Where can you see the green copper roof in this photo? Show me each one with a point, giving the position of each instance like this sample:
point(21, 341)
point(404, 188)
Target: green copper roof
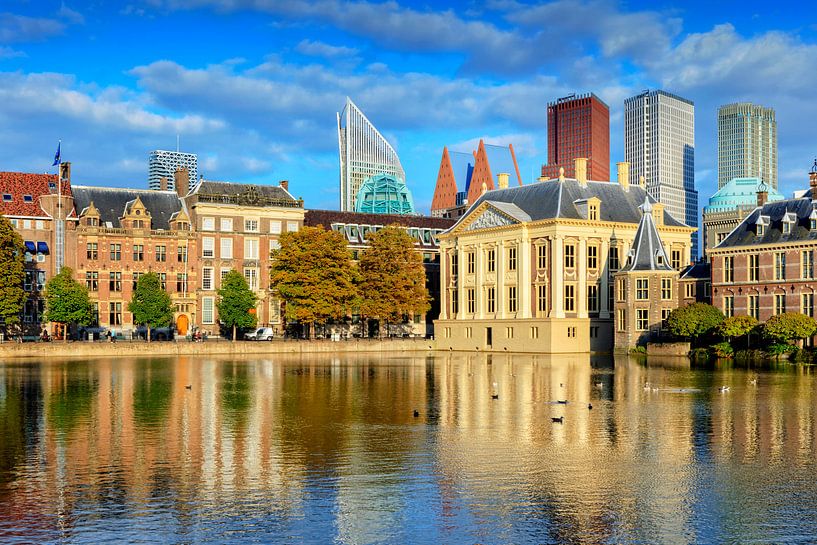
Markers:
point(739, 192)
point(384, 194)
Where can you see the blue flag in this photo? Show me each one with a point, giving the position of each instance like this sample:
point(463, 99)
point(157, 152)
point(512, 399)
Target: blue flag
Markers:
point(57, 159)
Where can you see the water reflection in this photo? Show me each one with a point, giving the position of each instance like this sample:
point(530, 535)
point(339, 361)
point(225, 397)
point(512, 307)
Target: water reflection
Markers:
point(328, 449)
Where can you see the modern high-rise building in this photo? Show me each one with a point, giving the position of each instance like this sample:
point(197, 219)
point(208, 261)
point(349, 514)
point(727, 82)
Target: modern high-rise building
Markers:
point(578, 127)
point(747, 143)
point(163, 164)
point(659, 144)
point(364, 153)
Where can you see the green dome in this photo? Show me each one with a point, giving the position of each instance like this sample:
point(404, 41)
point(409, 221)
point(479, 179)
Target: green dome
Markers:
point(384, 194)
point(739, 193)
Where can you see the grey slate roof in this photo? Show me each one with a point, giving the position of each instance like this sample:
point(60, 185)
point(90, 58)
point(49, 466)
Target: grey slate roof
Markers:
point(700, 270)
point(745, 233)
point(647, 252)
point(555, 199)
point(111, 203)
point(211, 187)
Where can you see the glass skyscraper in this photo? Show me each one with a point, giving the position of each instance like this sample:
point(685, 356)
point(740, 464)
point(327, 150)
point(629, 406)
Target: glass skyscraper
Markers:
point(747, 143)
point(163, 164)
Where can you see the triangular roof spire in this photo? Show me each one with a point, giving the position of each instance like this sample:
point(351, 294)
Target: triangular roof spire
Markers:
point(647, 252)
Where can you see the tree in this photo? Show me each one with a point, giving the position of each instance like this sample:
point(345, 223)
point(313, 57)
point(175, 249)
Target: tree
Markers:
point(736, 326)
point(12, 274)
point(789, 326)
point(312, 273)
point(236, 301)
point(66, 301)
point(393, 279)
point(150, 304)
point(694, 320)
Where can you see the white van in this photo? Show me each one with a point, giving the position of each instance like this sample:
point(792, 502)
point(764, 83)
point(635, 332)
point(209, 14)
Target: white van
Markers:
point(260, 334)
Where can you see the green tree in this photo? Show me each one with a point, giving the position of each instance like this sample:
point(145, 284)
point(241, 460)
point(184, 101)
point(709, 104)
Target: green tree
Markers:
point(736, 326)
point(789, 326)
point(236, 301)
point(393, 279)
point(694, 320)
point(12, 275)
point(66, 301)
point(312, 273)
point(150, 304)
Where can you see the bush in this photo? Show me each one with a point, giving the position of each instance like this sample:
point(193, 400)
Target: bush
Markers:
point(789, 326)
point(778, 349)
point(723, 350)
point(638, 350)
point(694, 320)
point(699, 354)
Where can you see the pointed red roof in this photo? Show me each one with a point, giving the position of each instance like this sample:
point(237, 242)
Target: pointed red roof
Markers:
point(482, 174)
point(445, 192)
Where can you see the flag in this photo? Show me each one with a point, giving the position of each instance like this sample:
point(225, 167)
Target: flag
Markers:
point(57, 159)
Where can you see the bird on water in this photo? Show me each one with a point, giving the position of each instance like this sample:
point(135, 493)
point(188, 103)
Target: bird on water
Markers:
point(559, 420)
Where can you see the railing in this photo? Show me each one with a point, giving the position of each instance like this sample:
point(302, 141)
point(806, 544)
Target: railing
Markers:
point(245, 200)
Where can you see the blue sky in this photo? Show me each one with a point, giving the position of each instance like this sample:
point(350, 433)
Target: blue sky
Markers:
point(252, 86)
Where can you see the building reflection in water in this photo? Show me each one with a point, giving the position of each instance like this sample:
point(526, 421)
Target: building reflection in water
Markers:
point(181, 450)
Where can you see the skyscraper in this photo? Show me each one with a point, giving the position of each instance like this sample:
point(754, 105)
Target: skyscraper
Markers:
point(163, 164)
point(578, 127)
point(363, 153)
point(747, 143)
point(659, 144)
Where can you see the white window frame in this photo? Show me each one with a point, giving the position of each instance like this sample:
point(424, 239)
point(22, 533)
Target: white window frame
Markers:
point(208, 310)
point(208, 247)
point(292, 227)
point(207, 279)
point(275, 227)
point(251, 248)
point(226, 248)
point(251, 276)
point(226, 225)
point(251, 225)
point(208, 224)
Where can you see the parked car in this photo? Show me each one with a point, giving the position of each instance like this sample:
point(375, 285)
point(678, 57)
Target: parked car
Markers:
point(156, 333)
point(260, 334)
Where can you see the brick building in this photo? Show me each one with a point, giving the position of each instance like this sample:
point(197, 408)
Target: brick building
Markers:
point(578, 127)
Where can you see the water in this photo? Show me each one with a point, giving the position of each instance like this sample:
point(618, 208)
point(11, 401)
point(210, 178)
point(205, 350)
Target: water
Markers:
point(327, 450)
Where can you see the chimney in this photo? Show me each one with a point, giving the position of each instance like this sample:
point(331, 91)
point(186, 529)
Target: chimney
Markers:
point(502, 180)
point(763, 195)
point(284, 184)
point(181, 179)
point(581, 170)
point(812, 180)
point(65, 172)
point(623, 172)
point(642, 181)
point(162, 184)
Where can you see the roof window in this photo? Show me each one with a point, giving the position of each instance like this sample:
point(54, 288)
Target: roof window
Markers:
point(7, 197)
point(28, 198)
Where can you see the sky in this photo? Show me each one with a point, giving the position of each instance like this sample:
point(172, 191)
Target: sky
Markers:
point(253, 86)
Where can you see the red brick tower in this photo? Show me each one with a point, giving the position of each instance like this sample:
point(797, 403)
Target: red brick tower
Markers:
point(578, 126)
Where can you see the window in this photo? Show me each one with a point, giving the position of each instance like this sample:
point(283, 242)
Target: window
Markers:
point(570, 298)
point(571, 332)
point(454, 263)
point(292, 226)
point(116, 252)
point(512, 259)
point(455, 301)
point(807, 264)
point(227, 225)
point(621, 319)
point(675, 259)
point(207, 278)
point(642, 319)
point(469, 297)
point(115, 281)
point(534, 332)
point(251, 225)
point(226, 250)
point(512, 299)
point(275, 227)
point(780, 266)
point(163, 280)
point(541, 257)
point(91, 250)
point(208, 247)
point(642, 289)
point(754, 267)
point(207, 306)
point(807, 304)
point(593, 212)
point(621, 288)
point(690, 290)
point(509, 332)
point(761, 229)
point(592, 257)
point(92, 280)
point(612, 259)
point(161, 254)
point(753, 304)
point(223, 273)
point(541, 298)
point(470, 263)
point(28, 198)
point(208, 224)
point(251, 248)
point(115, 314)
point(136, 276)
point(729, 269)
point(138, 252)
point(786, 227)
point(447, 332)
point(592, 298)
point(779, 303)
point(181, 282)
point(7, 197)
point(490, 298)
point(490, 259)
point(666, 289)
point(729, 306)
point(570, 256)
point(594, 332)
point(468, 332)
point(665, 312)
point(251, 276)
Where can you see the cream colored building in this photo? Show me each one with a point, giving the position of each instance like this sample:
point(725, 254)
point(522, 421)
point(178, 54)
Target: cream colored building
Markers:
point(531, 268)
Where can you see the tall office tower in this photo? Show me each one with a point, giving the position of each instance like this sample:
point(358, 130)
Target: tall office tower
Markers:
point(659, 144)
point(578, 126)
point(163, 164)
point(747, 143)
point(363, 153)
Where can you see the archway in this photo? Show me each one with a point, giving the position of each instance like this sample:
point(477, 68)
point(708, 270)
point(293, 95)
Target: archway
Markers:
point(182, 323)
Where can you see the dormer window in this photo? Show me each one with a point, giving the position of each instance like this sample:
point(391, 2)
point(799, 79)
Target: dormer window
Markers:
point(813, 220)
point(761, 224)
point(789, 219)
point(7, 197)
point(28, 198)
point(786, 228)
point(593, 212)
point(659, 258)
point(761, 229)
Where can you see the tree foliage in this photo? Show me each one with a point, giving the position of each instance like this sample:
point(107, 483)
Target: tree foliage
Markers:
point(312, 273)
point(66, 300)
point(393, 281)
point(694, 320)
point(150, 304)
point(736, 326)
point(12, 274)
point(789, 326)
point(235, 301)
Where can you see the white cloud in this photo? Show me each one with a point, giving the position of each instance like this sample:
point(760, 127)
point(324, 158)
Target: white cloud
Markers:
point(320, 49)
point(19, 28)
point(70, 15)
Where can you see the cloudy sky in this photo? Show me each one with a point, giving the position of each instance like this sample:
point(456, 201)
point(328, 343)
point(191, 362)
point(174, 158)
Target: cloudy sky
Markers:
point(252, 86)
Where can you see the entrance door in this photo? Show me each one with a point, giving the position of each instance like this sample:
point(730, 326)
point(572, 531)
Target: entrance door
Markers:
point(489, 336)
point(182, 323)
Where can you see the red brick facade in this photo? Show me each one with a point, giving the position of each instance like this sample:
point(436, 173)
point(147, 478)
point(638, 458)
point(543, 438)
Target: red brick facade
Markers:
point(579, 127)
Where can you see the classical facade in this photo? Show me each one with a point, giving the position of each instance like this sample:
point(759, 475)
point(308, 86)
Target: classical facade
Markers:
point(530, 268)
point(766, 264)
point(578, 126)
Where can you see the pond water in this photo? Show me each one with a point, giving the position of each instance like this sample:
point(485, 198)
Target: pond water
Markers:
point(328, 450)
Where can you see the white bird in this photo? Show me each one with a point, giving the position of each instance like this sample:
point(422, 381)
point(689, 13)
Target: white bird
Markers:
point(753, 381)
point(723, 389)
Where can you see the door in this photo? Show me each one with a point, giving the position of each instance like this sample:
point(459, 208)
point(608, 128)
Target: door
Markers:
point(182, 324)
point(489, 336)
